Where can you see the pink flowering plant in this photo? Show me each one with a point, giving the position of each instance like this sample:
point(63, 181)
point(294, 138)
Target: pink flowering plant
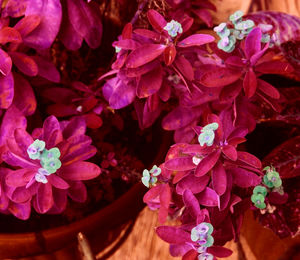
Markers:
point(74, 79)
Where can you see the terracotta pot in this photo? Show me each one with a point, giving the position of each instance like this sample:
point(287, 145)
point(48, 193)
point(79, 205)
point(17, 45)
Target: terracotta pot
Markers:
point(264, 244)
point(105, 229)
point(101, 228)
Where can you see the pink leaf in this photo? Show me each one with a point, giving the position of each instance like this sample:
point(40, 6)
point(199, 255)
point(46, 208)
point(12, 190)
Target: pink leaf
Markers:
point(178, 118)
point(219, 77)
point(164, 198)
point(24, 98)
point(208, 198)
point(252, 42)
point(150, 82)
point(173, 235)
point(6, 90)
point(196, 40)
point(44, 198)
point(170, 54)
point(44, 34)
point(230, 152)
point(219, 251)
point(180, 164)
point(185, 67)
point(15, 8)
point(24, 63)
point(144, 54)
point(207, 163)
point(219, 179)
point(249, 159)
point(8, 34)
point(157, 21)
point(192, 183)
point(86, 21)
point(78, 171)
point(274, 67)
point(77, 191)
point(46, 69)
point(268, 89)
point(27, 24)
point(191, 203)
point(5, 63)
point(58, 182)
point(244, 178)
point(250, 83)
point(285, 158)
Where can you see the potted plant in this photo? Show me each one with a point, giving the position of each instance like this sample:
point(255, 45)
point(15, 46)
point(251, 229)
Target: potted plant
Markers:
point(67, 97)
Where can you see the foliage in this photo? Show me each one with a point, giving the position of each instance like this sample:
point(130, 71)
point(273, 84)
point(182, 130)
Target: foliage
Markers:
point(66, 76)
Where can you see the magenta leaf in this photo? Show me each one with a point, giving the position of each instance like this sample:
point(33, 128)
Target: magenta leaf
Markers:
point(268, 89)
point(157, 21)
point(43, 35)
point(170, 54)
point(153, 193)
point(126, 44)
point(150, 82)
point(219, 251)
point(250, 83)
point(180, 164)
point(58, 182)
point(192, 183)
point(68, 35)
point(191, 203)
point(185, 67)
point(252, 42)
point(8, 34)
point(196, 40)
point(85, 20)
point(15, 8)
point(80, 171)
point(219, 77)
point(144, 54)
point(230, 152)
point(173, 235)
point(27, 24)
point(12, 119)
point(208, 198)
point(24, 63)
point(244, 178)
point(44, 198)
point(6, 90)
point(204, 15)
point(46, 69)
point(5, 63)
point(274, 67)
point(285, 158)
point(207, 163)
point(164, 198)
point(249, 159)
point(219, 179)
point(118, 93)
point(77, 191)
point(178, 118)
point(24, 98)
